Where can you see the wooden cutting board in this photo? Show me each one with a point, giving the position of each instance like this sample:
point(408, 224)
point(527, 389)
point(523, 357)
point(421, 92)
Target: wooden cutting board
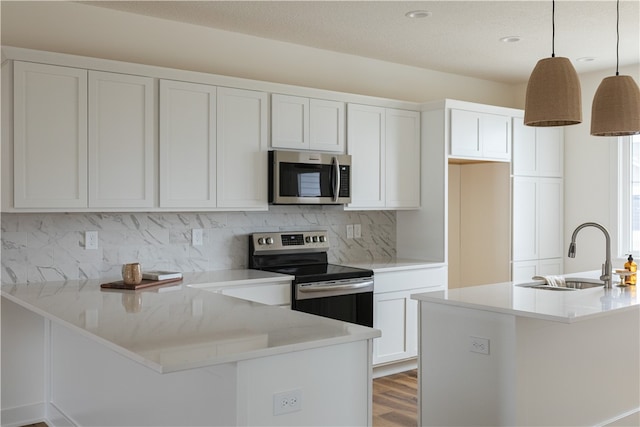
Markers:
point(144, 284)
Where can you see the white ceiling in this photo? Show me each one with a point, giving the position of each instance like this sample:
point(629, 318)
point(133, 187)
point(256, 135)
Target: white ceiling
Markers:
point(459, 37)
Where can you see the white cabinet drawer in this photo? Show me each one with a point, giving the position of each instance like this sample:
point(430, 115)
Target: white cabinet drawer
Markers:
point(410, 279)
point(270, 294)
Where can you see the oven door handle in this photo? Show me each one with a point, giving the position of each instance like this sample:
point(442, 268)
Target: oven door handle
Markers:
point(337, 287)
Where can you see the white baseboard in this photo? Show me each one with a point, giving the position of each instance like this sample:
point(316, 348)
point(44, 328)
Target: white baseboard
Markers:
point(628, 419)
point(55, 417)
point(394, 368)
point(23, 415)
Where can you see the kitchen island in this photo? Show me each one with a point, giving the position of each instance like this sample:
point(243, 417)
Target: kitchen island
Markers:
point(179, 355)
point(508, 355)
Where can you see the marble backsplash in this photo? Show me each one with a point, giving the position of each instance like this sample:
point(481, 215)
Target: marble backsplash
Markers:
point(50, 247)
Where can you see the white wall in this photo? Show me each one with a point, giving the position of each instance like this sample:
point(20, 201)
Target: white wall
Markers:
point(590, 164)
point(93, 31)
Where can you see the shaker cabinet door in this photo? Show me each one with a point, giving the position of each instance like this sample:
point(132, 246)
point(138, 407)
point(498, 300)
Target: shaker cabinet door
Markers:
point(289, 122)
point(402, 150)
point(242, 149)
point(525, 218)
point(496, 137)
point(50, 136)
point(326, 125)
point(187, 145)
point(465, 134)
point(122, 141)
point(366, 144)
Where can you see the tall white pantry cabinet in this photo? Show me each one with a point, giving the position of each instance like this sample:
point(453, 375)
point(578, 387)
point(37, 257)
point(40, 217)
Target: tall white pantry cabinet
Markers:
point(538, 201)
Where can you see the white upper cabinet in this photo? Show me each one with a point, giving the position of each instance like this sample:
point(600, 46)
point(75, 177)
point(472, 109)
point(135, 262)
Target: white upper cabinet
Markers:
point(366, 133)
point(242, 149)
point(326, 125)
point(122, 145)
point(402, 159)
point(385, 147)
point(537, 151)
point(213, 147)
point(480, 135)
point(187, 145)
point(50, 136)
point(307, 124)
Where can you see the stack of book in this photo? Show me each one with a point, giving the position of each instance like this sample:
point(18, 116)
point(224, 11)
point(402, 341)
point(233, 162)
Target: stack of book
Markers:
point(161, 275)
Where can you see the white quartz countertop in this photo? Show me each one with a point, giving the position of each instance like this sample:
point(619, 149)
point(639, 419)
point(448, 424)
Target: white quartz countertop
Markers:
point(560, 306)
point(396, 264)
point(181, 327)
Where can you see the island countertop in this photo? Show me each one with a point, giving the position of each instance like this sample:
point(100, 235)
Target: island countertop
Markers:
point(181, 327)
point(559, 306)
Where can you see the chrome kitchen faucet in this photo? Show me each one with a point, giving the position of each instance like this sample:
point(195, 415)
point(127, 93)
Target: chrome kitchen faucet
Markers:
point(606, 267)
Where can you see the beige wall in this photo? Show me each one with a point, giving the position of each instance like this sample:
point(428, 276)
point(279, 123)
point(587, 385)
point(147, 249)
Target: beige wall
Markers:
point(479, 224)
point(93, 31)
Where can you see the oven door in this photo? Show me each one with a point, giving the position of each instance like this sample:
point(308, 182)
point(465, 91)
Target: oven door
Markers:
point(349, 300)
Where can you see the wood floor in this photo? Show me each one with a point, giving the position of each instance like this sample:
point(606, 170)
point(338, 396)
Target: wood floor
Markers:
point(395, 399)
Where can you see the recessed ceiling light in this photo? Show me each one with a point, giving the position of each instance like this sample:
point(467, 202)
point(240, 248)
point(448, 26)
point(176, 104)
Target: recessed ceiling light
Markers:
point(586, 59)
point(510, 39)
point(418, 14)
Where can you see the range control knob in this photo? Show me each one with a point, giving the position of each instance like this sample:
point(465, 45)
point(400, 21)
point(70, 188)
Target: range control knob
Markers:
point(261, 241)
point(315, 239)
point(307, 239)
point(323, 238)
point(269, 240)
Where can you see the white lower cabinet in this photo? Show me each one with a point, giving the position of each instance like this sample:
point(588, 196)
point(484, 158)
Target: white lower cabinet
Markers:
point(396, 314)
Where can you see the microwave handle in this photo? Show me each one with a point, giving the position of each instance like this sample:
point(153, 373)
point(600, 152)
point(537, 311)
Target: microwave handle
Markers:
point(336, 178)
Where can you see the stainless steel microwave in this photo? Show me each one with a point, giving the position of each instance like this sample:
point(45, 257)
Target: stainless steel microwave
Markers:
point(307, 178)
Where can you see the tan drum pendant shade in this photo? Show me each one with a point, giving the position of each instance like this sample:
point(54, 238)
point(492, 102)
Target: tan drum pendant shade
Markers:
point(616, 107)
point(553, 94)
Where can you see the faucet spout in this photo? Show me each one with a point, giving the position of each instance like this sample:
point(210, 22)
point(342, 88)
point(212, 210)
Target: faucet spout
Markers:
point(606, 267)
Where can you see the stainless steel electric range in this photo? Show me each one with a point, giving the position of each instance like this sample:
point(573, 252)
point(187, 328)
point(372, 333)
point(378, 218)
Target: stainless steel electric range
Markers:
point(329, 290)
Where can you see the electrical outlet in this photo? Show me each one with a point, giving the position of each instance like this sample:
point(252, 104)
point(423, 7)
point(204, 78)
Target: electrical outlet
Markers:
point(357, 231)
point(90, 240)
point(350, 231)
point(479, 345)
point(287, 401)
point(197, 236)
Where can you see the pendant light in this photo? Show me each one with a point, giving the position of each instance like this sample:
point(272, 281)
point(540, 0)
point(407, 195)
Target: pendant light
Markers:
point(616, 105)
point(553, 92)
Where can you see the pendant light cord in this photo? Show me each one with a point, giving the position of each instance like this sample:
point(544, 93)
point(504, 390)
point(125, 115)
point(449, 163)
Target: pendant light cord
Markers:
point(617, 36)
point(553, 28)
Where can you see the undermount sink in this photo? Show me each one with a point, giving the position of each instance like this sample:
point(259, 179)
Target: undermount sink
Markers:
point(568, 285)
